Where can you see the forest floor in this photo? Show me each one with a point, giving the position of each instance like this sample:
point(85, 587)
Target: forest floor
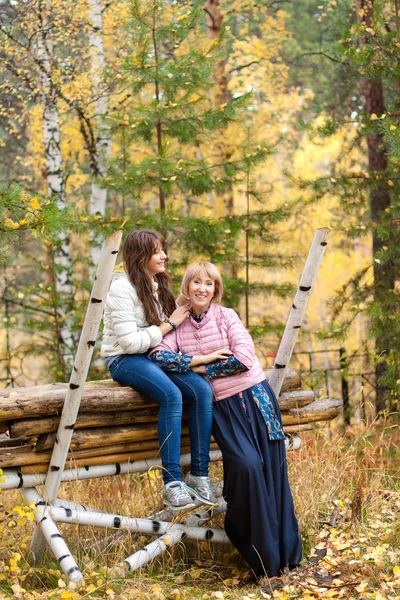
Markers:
point(346, 490)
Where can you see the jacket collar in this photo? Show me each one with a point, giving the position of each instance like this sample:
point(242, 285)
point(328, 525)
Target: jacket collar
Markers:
point(207, 318)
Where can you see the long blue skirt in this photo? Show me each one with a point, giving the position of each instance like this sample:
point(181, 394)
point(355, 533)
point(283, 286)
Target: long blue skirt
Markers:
point(260, 519)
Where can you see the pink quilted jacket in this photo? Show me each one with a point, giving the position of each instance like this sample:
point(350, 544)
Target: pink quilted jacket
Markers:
point(220, 328)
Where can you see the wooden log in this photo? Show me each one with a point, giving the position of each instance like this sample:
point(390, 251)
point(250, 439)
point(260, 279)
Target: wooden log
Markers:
point(19, 391)
point(103, 460)
point(323, 410)
point(297, 428)
point(32, 457)
point(296, 399)
point(123, 448)
point(98, 396)
point(84, 421)
point(319, 407)
point(94, 400)
point(6, 453)
point(7, 442)
point(287, 400)
point(94, 438)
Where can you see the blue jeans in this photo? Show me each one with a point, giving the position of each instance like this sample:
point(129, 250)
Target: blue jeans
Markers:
point(169, 391)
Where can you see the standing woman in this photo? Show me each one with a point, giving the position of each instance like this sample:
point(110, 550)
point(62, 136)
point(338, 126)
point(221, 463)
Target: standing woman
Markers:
point(139, 310)
point(260, 519)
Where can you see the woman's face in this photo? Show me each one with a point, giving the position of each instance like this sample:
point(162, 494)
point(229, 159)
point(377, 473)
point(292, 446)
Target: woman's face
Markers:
point(156, 263)
point(201, 292)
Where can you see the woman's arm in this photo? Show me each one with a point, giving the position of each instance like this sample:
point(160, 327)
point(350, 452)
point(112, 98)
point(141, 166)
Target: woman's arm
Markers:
point(224, 368)
point(221, 368)
point(240, 341)
point(241, 345)
point(121, 304)
point(121, 309)
point(169, 360)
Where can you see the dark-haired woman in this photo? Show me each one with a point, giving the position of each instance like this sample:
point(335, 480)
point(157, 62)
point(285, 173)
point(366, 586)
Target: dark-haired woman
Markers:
point(139, 310)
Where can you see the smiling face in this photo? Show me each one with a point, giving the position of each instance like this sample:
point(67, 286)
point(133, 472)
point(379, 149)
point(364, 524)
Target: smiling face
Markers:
point(201, 292)
point(156, 263)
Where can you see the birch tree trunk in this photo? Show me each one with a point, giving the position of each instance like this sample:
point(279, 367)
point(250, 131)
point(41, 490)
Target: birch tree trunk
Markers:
point(100, 158)
point(55, 181)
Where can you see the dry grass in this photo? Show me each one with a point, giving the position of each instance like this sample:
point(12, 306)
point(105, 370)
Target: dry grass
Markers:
point(362, 467)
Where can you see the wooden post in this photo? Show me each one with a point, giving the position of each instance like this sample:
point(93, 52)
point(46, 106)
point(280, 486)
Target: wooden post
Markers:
point(344, 379)
point(299, 308)
point(78, 376)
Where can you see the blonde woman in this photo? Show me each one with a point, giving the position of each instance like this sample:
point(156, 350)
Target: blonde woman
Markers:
point(260, 519)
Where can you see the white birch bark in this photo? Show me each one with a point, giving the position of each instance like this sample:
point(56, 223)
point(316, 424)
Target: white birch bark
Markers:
point(98, 195)
point(15, 479)
point(299, 307)
point(55, 181)
point(52, 535)
point(78, 376)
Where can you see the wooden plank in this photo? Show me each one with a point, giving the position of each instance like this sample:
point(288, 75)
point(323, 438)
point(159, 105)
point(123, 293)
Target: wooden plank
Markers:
point(98, 396)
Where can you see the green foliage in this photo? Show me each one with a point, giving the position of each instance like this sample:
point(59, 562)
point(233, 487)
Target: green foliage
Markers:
point(168, 129)
point(361, 54)
point(24, 215)
point(171, 77)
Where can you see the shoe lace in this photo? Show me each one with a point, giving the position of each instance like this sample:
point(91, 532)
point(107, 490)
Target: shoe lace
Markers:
point(177, 492)
point(202, 482)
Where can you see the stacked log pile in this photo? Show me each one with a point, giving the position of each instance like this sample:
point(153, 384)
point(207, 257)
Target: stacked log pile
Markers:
point(115, 424)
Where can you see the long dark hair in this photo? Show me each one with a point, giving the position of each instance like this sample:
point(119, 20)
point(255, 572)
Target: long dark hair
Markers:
point(139, 247)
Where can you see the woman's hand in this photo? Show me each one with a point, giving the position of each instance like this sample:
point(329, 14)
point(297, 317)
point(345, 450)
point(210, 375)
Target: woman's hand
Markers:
point(199, 360)
point(217, 355)
point(200, 369)
point(179, 315)
point(183, 300)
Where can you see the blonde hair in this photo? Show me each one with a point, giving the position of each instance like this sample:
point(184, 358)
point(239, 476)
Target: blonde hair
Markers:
point(195, 270)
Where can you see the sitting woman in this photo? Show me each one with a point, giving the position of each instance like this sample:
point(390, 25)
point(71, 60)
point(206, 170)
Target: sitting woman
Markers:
point(139, 310)
point(260, 519)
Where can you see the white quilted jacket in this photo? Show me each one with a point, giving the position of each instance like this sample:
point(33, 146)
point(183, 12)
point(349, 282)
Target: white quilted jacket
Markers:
point(126, 330)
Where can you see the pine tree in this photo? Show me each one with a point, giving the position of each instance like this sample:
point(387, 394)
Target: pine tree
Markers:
point(169, 75)
point(361, 41)
point(170, 128)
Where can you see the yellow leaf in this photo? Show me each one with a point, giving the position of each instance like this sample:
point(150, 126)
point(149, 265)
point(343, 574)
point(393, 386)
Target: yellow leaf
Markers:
point(90, 588)
point(11, 224)
point(390, 182)
point(373, 117)
point(393, 127)
point(34, 204)
point(396, 571)
point(195, 574)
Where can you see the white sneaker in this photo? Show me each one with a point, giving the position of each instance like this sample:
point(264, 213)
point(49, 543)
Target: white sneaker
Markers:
point(201, 487)
point(176, 496)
